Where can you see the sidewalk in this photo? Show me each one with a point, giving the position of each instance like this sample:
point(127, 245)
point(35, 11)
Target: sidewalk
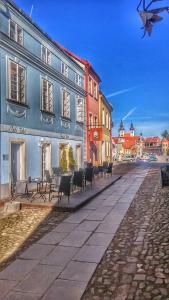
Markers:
point(60, 265)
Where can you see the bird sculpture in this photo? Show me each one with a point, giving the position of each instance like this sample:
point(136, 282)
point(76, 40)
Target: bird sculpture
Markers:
point(150, 16)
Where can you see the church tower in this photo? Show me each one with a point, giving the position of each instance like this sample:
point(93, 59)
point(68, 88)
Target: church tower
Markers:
point(121, 129)
point(132, 129)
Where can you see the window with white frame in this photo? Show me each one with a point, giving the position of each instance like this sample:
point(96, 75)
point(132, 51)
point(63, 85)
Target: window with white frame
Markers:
point(95, 89)
point(103, 117)
point(78, 79)
point(90, 85)
point(107, 121)
point(15, 32)
point(65, 104)
point(47, 96)
point(46, 55)
point(17, 82)
point(80, 109)
point(64, 69)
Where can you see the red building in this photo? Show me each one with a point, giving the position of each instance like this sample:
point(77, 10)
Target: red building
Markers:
point(92, 81)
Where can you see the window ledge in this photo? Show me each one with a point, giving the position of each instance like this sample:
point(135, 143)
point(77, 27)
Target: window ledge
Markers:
point(66, 119)
point(80, 122)
point(48, 112)
point(18, 103)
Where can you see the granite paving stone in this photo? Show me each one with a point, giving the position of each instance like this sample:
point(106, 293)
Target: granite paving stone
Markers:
point(78, 271)
point(90, 253)
point(37, 251)
point(22, 296)
point(39, 279)
point(76, 238)
point(107, 227)
point(96, 216)
point(100, 239)
point(87, 226)
point(53, 238)
point(18, 269)
point(60, 256)
point(78, 217)
point(5, 287)
point(65, 290)
point(65, 227)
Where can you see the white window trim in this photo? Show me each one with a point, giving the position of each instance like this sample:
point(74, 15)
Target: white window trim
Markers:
point(95, 89)
point(82, 119)
point(95, 116)
point(78, 79)
point(16, 26)
point(91, 87)
point(65, 66)
point(46, 56)
point(103, 116)
point(9, 81)
point(90, 124)
point(42, 100)
point(62, 114)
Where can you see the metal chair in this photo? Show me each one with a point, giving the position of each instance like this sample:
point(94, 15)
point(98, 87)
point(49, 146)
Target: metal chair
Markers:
point(110, 169)
point(164, 177)
point(21, 189)
point(63, 188)
point(89, 175)
point(78, 179)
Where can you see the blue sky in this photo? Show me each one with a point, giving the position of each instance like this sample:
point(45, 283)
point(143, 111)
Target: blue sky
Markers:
point(134, 71)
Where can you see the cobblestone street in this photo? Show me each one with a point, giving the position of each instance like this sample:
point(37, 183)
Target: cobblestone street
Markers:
point(136, 264)
point(19, 230)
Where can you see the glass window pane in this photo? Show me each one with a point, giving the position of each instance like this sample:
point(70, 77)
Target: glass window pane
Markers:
point(19, 35)
point(21, 84)
point(12, 30)
point(13, 81)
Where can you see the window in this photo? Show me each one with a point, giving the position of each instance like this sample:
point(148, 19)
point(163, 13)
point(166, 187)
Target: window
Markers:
point(65, 104)
point(107, 121)
point(64, 69)
point(80, 109)
point(103, 117)
point(95, 121)
point(15, 32)
point(95, 90)
point(46, 55)
point(90, 120)
point(90, 86)
point(47, 95)
point(16, 82)
point(78, 79)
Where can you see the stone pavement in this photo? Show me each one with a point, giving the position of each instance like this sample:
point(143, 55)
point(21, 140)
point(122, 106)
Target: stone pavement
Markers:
point(60, 265)
point(136, 264)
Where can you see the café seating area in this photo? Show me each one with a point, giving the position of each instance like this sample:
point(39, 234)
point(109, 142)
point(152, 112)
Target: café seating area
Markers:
point(59, 183)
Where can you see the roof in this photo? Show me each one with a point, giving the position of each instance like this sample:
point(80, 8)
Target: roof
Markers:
point(27, 17)
point(154, 139)
point(121, 126)
point(81, 60)
point(164, 140)
point(128, 144)
point(107, 103)
point(132, 126)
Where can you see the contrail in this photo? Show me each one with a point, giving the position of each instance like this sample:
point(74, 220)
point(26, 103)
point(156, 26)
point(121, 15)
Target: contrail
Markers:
point(122, 92)
point(129, 113)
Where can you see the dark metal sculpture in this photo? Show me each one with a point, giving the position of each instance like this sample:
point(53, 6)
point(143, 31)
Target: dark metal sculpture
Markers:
point(150, 16)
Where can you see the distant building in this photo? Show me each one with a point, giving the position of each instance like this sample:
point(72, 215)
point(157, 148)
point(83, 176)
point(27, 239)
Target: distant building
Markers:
point(127, 144)
point(156, 145)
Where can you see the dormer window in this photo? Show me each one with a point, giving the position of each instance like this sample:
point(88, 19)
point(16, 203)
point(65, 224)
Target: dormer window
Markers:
point(46, 55)
point(78, 79)
point(64, 69)
point(15, 32)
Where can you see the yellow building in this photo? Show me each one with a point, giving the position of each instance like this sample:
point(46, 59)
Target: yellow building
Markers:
point(105, 122)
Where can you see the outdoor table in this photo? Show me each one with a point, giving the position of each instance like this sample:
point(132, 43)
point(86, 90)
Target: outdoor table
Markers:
point(41, 188)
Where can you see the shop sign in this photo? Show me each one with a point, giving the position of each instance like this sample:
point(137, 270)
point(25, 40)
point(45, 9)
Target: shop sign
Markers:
point(95, 134)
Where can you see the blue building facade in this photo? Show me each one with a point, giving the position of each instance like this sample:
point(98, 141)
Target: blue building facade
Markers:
point(41, 100)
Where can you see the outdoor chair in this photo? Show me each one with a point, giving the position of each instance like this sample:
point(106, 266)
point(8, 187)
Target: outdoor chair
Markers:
point(57, 171)
point(89, 175)
point(78, 179)
point(48, 176)
point(96, 171)
point(64, 187)
point(105, 166)
point(21, 189)
point(101, 170)
point(165, 176)
point(109, 169)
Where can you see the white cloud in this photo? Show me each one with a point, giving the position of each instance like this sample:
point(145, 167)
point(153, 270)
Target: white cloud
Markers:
point(122, 92)
point(129, 113)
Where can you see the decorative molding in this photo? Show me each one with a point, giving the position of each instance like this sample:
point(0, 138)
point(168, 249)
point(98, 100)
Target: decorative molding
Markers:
point(15, 112)
point(39, 133)
point(46, 118)
point(65, 123)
